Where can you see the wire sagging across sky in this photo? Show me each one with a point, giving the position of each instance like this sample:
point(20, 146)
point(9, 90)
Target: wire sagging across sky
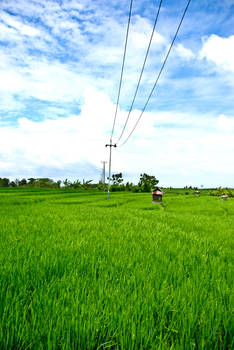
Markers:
point(122, 69)
point(142, 70)
point(159, 74)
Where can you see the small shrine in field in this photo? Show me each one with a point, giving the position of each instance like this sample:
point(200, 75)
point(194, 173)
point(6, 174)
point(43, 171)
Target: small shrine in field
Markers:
point(157, 195)
point(224, 196)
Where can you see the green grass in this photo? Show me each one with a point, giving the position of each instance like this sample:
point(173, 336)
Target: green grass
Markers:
point(80, 272)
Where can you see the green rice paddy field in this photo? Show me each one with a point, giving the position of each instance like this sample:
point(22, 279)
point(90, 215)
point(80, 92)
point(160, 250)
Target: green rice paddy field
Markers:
point(80, 272)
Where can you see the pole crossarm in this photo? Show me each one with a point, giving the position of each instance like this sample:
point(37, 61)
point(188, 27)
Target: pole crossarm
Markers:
point(111, 145)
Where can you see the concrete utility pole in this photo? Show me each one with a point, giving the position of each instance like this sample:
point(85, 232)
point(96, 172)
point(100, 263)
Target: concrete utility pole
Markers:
point(104, 174)
point(110, 145)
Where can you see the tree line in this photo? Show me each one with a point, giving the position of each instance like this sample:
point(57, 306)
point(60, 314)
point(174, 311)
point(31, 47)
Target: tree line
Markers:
point(145, 184)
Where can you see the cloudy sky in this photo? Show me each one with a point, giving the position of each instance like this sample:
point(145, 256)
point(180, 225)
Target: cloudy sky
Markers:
point(60, 64)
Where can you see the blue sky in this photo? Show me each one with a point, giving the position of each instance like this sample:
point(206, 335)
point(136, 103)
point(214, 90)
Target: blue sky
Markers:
point(59, 72)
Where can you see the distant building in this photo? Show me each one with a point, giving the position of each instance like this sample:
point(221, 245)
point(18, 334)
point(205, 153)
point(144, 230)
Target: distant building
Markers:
point(224, 196)
point(157, 195)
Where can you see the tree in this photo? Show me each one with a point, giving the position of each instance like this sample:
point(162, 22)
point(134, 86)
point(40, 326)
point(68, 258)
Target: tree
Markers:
point(128, 186)
point(67, 183)
point(4, 182)
point(117, 179)
point(147, 182)
point(31, 181)
point(23, 182)
point(86, 184)
point(44, 182)
point(76, 184)
point(58, 183)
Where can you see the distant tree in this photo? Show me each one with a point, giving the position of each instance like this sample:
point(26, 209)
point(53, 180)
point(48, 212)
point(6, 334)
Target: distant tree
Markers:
point(58, 183)
point(4, 182)
point(128, 186)
point(147, 182)
point(136, 189)
point(86, 184)
point(100, 186)
point(117, 188)
point(31, 181)
point(12, 184)
point(67, 183)
point(77, 184)
point(44, 182)
point(117, 179)
point(23, 182)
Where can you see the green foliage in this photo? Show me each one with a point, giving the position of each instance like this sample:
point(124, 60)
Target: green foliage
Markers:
point(76, 184)
point(86, 184)
point(67, 183)
point(220, 191)
point(147, 182)
point(23, 182)
point(136, 189)
point(59, 183)
point(117, 188)
point(31, 181)
point(4, 182)
point(44, 183)
point(128, 186)
point(80, 272)
point(117, 179)
point(100, 186)
point(117, 185)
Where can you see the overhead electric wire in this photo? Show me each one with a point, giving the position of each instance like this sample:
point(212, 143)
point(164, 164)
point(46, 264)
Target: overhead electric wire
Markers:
point(159, 74)
point(122, 69)
point(142, 70)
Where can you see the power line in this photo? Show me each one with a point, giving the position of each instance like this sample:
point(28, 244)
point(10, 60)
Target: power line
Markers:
point(122, 69)
point(159, 74)
point(117, 103)
point(142, 70)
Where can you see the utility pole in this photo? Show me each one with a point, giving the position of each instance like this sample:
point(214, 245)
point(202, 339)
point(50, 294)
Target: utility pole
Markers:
point(110, 145)
point(104, 174)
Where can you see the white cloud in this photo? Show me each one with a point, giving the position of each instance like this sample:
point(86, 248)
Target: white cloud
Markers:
point(53, 51)
point(62, 141)
point(140, 34)
point(6, 32)
point(43, 76)
point(9, 104)
point(225, 123)
point(22, 28)
point(164, 143)
point(219, 50)
point(183, 52)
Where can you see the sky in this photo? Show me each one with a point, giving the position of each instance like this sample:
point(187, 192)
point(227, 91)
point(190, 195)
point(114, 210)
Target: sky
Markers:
point(60, 63)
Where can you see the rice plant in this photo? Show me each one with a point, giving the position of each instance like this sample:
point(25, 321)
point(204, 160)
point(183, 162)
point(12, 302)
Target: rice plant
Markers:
point(81, 272)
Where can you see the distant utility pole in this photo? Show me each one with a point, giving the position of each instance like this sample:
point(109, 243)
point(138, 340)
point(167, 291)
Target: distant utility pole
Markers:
point(110, 145)
point(104, 174)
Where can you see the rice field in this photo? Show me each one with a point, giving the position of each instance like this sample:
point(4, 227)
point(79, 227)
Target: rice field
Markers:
point(80, 272)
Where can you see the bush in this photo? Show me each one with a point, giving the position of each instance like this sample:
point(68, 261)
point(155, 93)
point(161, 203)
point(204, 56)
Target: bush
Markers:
point(117, 188)
point(220, 191)
point(136, 189)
